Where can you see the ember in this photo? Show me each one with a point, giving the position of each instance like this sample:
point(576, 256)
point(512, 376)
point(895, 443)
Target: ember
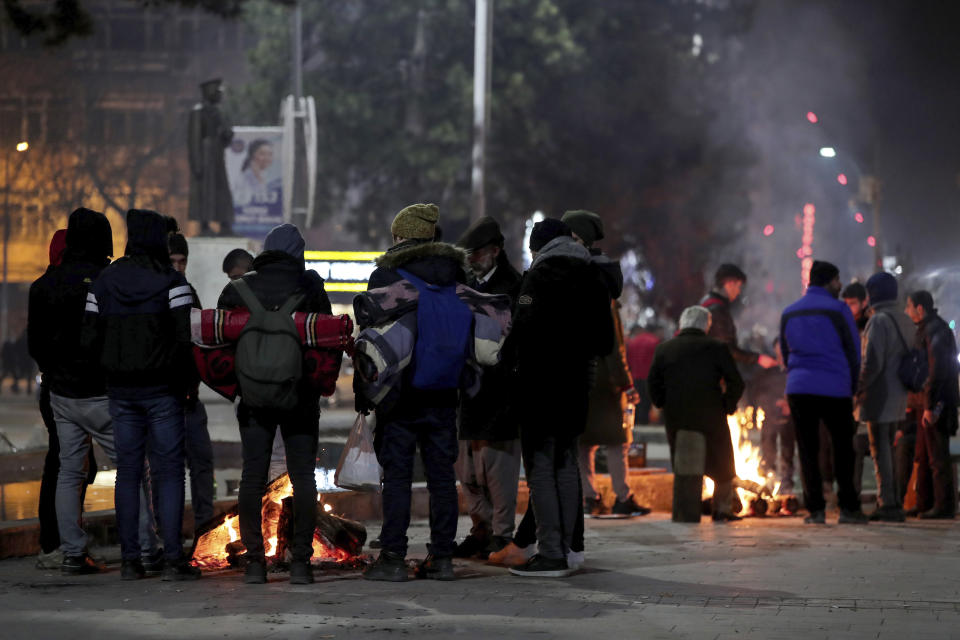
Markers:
point(336, 540)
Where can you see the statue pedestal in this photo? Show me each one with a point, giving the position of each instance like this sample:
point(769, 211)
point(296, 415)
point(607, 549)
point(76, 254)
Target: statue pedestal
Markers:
point(205, 262)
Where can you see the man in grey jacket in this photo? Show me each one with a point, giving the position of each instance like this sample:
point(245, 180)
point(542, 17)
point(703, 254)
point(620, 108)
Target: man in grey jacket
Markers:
point(882, 399)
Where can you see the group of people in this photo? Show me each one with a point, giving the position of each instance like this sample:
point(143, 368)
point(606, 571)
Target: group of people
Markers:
point(868, 375)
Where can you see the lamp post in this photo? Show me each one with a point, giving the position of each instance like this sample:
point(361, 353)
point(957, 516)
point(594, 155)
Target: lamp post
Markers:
point(4, 296)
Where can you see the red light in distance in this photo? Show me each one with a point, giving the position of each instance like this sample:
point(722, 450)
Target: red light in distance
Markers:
point(871, 241)
point(812, 117)
point(842, 179)
point(809, 209)
point(858, 217)
point(768, 230)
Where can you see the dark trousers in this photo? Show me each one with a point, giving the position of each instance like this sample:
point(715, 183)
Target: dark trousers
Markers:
point(300, 429)
point(837, 416)
point(199, 452)
point(861, 450)
point(397, 436)
point(47, 507)
point(903, 453)
point(149, 427)
point(556, 493)
point(779, 428)
point(934, 477)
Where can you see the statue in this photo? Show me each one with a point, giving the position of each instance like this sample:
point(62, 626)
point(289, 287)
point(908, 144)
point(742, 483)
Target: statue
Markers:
point(208, 135)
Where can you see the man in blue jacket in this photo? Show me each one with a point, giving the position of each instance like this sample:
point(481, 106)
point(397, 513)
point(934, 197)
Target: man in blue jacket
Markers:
point(821, 350)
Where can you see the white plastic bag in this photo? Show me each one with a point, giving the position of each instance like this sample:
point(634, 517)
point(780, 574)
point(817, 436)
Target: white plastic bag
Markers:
point(358, 468)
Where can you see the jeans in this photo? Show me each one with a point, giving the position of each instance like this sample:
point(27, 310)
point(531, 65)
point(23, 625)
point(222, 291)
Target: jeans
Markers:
point(199, 452)
point(616, 455)
point(555, 492)
point(881, 449)
point(79, 420)
point(837, 416)
point(397, 435)
point(149, 427)
point(300, 429)
point(489, 473)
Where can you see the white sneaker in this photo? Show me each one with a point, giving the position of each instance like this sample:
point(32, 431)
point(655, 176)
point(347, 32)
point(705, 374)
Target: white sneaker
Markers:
point(575, 559)
point(511, 555)
point(51, 560)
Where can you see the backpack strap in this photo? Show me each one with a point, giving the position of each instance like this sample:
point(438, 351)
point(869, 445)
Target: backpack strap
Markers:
point(417, 282)
point(249, 298)
point(896, 328)
point(288, 307)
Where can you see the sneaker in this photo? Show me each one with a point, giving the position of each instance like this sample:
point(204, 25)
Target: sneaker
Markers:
point(389, 567)
point(436, 568)
point(52, 560)
point(256, 572)
point(80, 565)
point(375, 543)
point(629, 507)
point(816, 517)
point(301, 572)
point(511, 555)
point(936, 514)
point(180, 570)
point(539, 566)
point(132, 570)
point(593, 507)
point(888, 514)
point(471, 547)
point(153, 564)
point(575, 560)
point(726, 517)
point(852, 517)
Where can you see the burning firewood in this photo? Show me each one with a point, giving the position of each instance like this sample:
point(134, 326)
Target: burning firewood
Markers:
point(335, 539)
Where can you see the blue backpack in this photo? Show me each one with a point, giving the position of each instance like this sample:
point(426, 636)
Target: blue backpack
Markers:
point(444, 324)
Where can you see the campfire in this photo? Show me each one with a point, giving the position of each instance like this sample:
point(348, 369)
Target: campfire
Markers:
point(336, 541)
point(758, 493)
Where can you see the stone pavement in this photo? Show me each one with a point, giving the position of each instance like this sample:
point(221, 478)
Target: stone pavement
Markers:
point(646, 578)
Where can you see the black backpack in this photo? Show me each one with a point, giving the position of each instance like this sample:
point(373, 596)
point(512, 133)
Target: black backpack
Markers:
point(913, 369)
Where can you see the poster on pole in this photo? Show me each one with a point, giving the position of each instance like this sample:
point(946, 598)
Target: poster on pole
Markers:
point(255, 173)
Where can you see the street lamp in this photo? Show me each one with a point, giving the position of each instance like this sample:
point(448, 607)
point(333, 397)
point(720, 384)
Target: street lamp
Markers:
point(4, 296)
point(828, 152)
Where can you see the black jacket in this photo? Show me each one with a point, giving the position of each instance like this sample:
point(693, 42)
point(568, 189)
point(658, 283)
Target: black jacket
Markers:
point(138, 316)
point(936, 337)
point(562, 322)
point(488, 415)
point(684, 381)
point(723, 328)
point(274, 277)
point(435, 263)
point(56, 310)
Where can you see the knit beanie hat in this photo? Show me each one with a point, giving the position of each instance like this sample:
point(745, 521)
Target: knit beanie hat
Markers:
point(586, 224)
point(545, 231)
point(286, 238)
point(882, 287)
point(822, 273)
point(178, 244)
point(416, 222)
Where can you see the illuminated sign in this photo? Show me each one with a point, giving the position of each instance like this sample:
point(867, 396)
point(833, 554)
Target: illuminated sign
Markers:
point(346, 271)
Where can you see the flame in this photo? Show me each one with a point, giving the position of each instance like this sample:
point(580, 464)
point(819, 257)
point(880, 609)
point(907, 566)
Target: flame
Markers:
point(327, 508)
point(746, 456)
point(228, 523)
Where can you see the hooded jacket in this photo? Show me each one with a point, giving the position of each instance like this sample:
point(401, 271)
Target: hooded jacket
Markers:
point(138, 316)
point(56, 307)
point(882, 397)
point(562, 322)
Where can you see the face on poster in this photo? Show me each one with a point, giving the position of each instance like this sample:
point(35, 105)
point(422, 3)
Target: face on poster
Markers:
point(256, 180)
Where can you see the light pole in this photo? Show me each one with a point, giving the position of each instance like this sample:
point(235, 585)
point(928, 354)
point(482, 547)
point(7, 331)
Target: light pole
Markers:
point(481, 103)
point(4, 306)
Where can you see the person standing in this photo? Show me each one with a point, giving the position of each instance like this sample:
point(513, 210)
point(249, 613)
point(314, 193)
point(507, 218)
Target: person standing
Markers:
point(74, 381)
point(882, 398)
point(821, 350)
point(488, 466)
point(941, 397)
point(138, 321)
point(199, 449)
point(855, 296)
point(728, 283)
point(424, 416)
point(695, 381)
point(236, 263)
point(640, 348)
point(552, 344)
point(278, 275)
point(611, 391)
